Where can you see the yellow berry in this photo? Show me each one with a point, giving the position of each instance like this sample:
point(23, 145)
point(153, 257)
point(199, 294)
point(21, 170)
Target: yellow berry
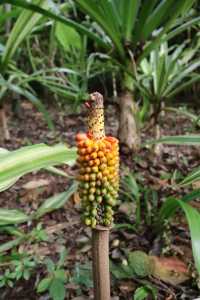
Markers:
point(93, 155)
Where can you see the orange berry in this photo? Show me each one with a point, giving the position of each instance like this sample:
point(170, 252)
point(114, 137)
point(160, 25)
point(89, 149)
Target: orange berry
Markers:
point(102, 146)
point(97, 162)
point(112, 162)
point(88, 143)
point(108, 144)
point(89, 150)
point(87, 169)
point(86, 177)
point(105, 172)
point(80, 159)
point(103, 159)
point(100, 154)
point(80, 144)
point(109, 156)
point(80, 136)
point(91, 163)
point(93, 155)
point(82, 151)
point(87, 157)
point(95, 148)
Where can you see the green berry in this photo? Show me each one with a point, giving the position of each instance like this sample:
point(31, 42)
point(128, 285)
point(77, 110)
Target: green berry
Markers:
point(91, 197)
point(92, 190)
point(94, 212)
point(93, 223)
point(87, 222)
point(99, 199)
point(93, 176)
point(86, 185)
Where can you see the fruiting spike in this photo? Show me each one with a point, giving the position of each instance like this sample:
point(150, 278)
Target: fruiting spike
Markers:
point(98, 167)
point(96, 116)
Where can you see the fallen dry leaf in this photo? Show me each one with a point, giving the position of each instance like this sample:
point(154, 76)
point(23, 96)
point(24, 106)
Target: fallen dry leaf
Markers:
point(170, 269)
point(34, 184)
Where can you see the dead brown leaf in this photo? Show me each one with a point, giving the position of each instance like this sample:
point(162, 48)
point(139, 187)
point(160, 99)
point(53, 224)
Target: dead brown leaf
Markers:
point(170, 269)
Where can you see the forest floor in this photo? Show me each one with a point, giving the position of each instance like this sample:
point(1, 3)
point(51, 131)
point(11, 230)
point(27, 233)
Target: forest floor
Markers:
point(157, 172)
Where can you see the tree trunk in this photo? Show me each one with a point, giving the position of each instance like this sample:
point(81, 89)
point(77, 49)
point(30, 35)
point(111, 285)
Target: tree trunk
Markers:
point(4, 132)
point(128, 128)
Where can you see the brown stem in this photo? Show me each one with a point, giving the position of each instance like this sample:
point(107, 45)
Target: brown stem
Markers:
point(101, 274)
point(128, 127)
point(3, 120)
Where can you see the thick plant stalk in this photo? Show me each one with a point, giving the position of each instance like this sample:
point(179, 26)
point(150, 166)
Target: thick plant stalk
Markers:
point(128, 129)
point(3, 120)
point(99, 182)
point(101, 274)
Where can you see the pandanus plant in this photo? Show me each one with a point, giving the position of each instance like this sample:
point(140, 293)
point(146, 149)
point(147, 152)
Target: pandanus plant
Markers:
point(98, 160)
point(126, 31)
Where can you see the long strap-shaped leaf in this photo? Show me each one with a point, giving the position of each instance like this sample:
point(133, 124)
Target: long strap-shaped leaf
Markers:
point(27, 159)
point(103, 13)
point(24, 25)
point(82, 29)
point(178, 140)
point(191, 177)
point(193, 219)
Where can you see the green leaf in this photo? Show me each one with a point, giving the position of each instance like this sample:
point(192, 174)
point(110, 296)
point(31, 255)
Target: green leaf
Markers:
point(156, 17)
point(60, 274)
point(80, 28)
point(30, 158)
point(83, 275)
point(24, 25)
point(55, 202)
point(62, 258)
point(57, 289)
point(191, 177)
point(177, 140)
point(120, 271)
point(44, 285)
point(162, 37)
point(141, 293)
point(193, 218)
point(12, 216)
point(144, 292)
point(169, 207)
point(68, 37)
point(9, 245)
point(131, 11)
point(104, 14)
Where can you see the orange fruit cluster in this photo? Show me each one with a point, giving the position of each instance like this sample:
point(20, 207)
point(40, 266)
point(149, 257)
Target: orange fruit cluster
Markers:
point(98, 176)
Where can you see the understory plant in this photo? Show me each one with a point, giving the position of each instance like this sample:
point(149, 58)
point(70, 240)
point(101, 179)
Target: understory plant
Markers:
point(167, 71)
point(156, 217)
point(15, 82)
point(10, 79)
point(56, 278)
point(13, 165)
point(127, 31)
